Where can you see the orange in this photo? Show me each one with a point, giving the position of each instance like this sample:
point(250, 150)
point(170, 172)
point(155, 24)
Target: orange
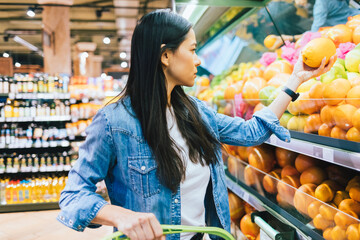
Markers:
point(247, 227)
point(269, 41)
point(285, 157)
point(328, 212)
point(313, 123)
point(251, 90)
point(279, 66)
point(353, 232)
point(203, 81)
point(236, 207)
point(262, 157)
point(321, 223)
point(356, 119)
point(327, 115)
point(308, 106)
point(337, 132)
point(327, 233)
point(315, 50)
point(343, 220)
point(278, 80)
point(343, 116)
point(338, 233)
point(356, 34)
point(313, 208)
point(353, 96)
point(315, 175)
point(340, 34)
point(230, 92)
point(324, 130)
point(303, 162)
point(302, 200)
point(316, 94)
point(353, 135)
point(336, 91)
point(255, 72)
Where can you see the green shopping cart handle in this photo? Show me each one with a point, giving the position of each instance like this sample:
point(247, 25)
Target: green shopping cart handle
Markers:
point(173, 229)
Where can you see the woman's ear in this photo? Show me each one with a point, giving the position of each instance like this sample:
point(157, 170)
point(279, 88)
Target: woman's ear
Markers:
point(165, 56)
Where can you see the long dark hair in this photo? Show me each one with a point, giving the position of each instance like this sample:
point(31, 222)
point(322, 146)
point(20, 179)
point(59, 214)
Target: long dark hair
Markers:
point(146, 88)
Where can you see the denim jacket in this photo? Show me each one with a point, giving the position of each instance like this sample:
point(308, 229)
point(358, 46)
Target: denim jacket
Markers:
point(115, 151)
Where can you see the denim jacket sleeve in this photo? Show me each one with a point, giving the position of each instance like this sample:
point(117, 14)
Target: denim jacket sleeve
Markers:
point(237, 131)
point(79, 203)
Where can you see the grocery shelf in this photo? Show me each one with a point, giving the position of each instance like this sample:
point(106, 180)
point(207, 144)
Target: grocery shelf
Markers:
point(4, 95)
point(28, 207)
point(324, 148)
point(85, 100)
point(77, 138)
point(62, 144)
point(39, 96)
point(261, 203)
point(36, 119)
point(51, 169)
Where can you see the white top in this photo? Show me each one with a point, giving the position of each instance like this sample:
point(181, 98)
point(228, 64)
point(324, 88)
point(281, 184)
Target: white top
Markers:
point(193, 188)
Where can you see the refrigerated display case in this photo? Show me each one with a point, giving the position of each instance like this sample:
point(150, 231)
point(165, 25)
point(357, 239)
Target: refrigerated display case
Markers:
point(232, 54)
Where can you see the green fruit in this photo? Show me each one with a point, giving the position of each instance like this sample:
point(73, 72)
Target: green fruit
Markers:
point(352, 60)
point(285, 119)
point(274, 95)
point(334, 73)
point(265, 93)
point(341, 62)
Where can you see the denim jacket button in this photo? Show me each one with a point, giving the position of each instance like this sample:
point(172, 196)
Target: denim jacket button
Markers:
point(79, 227)
point(62, 218)
point(176, 200)
point(71, 222)
point(143, 168)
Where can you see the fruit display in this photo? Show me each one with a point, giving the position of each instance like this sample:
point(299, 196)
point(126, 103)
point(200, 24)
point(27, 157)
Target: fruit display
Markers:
point(329, 105)
point(318, 193)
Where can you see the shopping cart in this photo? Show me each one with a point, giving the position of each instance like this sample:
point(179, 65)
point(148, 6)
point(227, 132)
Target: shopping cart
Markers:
point(173, 229)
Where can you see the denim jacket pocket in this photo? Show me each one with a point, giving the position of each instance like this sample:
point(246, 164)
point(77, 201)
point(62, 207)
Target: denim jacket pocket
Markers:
point(143, 177)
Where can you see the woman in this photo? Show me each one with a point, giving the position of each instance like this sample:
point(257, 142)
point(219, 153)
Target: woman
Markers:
point(158, 149)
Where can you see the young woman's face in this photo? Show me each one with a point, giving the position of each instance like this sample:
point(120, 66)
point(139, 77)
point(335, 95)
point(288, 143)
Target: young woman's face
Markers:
point(183, 62)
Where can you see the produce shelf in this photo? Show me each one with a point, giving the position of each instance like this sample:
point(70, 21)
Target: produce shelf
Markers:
point(337, 151)
point(28, 207)
point(261, 203)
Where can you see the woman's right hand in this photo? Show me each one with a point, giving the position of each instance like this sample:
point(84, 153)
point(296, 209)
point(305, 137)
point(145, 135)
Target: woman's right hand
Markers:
point(135, 225)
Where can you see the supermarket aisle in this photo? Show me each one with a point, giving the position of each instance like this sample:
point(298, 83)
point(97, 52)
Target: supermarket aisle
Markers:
point(42, 225)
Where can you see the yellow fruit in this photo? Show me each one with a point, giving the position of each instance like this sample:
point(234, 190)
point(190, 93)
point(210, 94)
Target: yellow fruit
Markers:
point(297, 123)
point(336, 91)
point(318, 48)
point(269, 41)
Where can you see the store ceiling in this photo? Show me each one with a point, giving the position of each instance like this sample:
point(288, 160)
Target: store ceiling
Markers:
point(117, 21)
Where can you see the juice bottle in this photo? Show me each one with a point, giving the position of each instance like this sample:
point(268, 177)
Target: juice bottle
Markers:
point(2, 192)
point(21, 193)
point(8, 192)
point(27, 192)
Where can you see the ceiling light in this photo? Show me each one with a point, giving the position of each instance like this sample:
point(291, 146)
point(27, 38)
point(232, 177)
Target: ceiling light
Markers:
point(25, 43)
point(17, 64)
point(123, 55)
point(31, 12)
point(106, 40)
point(124, 65)
point(6, 55)
point(189, 9)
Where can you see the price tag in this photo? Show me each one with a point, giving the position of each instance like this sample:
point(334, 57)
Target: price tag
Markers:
point(317, 152)
point(328, 154)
